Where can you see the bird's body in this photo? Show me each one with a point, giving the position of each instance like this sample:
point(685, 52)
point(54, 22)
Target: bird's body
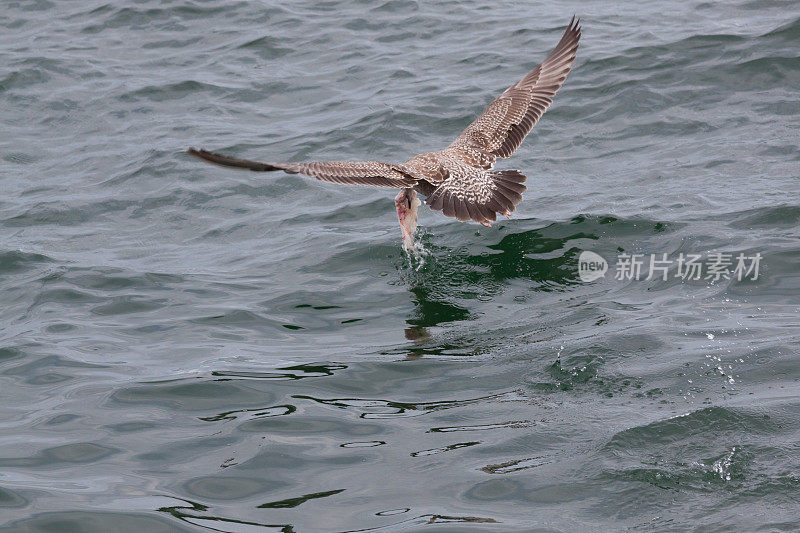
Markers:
point(458, 180)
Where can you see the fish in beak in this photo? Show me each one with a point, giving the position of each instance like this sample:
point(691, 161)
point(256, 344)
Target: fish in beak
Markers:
point(407, 205)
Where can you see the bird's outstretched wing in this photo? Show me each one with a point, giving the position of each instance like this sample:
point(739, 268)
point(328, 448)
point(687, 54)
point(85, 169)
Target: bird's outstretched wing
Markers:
point(373, 173)
point(502, 126)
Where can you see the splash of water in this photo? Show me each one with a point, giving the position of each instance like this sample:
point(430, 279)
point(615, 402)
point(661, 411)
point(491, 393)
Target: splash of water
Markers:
point(415, 251)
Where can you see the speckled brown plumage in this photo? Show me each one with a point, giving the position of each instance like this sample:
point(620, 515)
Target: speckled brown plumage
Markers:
point(458, 180)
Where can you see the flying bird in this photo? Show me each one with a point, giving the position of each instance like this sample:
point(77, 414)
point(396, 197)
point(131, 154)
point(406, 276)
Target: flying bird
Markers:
point(459, 180)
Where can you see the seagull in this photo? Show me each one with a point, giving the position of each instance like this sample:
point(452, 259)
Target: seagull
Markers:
point(460, 180)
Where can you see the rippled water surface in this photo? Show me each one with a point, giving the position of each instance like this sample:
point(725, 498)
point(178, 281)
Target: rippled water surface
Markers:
point(190, 348)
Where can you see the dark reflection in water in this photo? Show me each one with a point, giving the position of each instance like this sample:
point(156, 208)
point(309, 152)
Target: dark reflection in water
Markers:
point(425, 519)
point(392, 408)
point(517, 259)
point(514, 466)
point(363, 444)
point(509, 424)
point(311, 370)
point(260, 412)
point(450, 278)
point(545, 256)
point(434, 451)
point(294, 502)
point(190, 513)
point(438, 519)
point(452, 285)
point(193, 513)
point(431, 310)
point(393, 512)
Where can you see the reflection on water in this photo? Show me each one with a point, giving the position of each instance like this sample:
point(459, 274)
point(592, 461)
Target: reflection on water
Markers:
point(365, 444)
point(480, 427)
point(514, 466)
point(303, 371)
point(276, 410)
point(545, 258)
point(391, 409)
point(428, 519)
point(294, 502)
point(447, 448)
point(190, 513)
point(431, 310)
